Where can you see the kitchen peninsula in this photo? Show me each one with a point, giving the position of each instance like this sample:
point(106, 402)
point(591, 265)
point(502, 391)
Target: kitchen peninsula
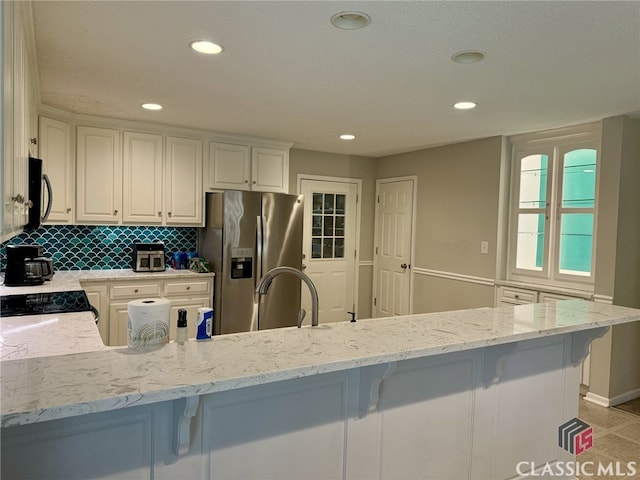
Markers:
point(461, 394)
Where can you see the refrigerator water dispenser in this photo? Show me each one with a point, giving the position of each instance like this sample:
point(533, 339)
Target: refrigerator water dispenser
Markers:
point(241, 262)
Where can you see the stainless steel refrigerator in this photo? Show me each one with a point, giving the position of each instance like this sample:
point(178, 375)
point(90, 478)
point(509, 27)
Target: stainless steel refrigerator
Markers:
point(246, 234)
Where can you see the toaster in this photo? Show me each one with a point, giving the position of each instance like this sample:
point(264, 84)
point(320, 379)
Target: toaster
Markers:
point(149, 257)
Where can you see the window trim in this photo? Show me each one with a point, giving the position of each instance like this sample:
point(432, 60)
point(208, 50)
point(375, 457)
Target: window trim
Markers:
point(554, 143)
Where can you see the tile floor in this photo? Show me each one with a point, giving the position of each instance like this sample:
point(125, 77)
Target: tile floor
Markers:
point(616, 437)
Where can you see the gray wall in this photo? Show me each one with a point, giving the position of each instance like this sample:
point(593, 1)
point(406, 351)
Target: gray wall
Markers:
point(615, 358)
point(456, 209)
point(348, 166)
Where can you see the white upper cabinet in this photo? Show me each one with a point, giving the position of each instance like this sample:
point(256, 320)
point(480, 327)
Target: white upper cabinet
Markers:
point(269, 170)
point(99, 176)
point(142, 179)
point(229, 166)
point(184, 198)
point(240, 167)
point(55, 151)
point(18, 116)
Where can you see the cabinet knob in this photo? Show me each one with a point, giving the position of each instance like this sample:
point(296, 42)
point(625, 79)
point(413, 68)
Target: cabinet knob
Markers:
point(159, 213)
point(135, 291)
point(115, 212)
point(34, 141)
point(68, 210)
point(188, 288)
point(169, 213)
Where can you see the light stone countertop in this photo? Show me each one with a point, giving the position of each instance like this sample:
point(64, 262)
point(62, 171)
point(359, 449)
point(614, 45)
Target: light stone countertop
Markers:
point(65, 280)
point(45, 388)
point(68, 333)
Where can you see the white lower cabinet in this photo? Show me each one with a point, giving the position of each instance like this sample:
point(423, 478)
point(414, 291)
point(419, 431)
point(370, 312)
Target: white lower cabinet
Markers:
point(99, 299)
point(507, 295)
point(486, 413)
point(189, 294)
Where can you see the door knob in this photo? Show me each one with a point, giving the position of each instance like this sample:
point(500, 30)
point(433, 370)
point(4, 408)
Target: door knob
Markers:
point(404, 266)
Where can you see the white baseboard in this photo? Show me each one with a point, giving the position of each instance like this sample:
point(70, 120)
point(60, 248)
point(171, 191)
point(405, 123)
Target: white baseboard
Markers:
point(613, 401)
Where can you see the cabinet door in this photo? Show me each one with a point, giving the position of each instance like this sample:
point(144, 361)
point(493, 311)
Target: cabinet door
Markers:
point(99, 176)
point(183, 182)
point(20, 123)
point(118, 318)
point(269, 170)
point(191, 305)
point(7, 123)
point(55, 151)
point(97, 295)
point(229, 166)
point(142, 179)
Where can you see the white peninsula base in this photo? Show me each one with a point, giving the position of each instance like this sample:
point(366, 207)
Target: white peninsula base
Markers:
point(471, 414)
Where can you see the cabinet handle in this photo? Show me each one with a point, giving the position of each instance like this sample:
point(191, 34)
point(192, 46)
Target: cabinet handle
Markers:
point(246, 181)
point(34, 141)
point(28, 204)
point(135, 291)
point(516, 296)
point(17, 198)
point(254, 182)
point(188, 288)
point(68, 210)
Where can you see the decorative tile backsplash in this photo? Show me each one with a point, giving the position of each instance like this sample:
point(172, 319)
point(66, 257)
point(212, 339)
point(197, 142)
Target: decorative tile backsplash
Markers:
point(87, 247)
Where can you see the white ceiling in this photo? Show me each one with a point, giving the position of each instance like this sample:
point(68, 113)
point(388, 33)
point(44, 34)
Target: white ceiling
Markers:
point(288, 74)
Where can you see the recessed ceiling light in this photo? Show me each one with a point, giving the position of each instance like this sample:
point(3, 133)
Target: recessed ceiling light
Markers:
point(350, 20)
point(465, 105)
point(151, 106)
point(206, 47)
point(467, 56)
point(347, 136)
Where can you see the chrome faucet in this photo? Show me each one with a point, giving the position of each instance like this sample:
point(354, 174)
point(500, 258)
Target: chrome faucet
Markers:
point(265, 283)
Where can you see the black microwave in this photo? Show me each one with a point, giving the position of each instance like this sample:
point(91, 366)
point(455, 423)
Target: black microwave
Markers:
point(36, 180)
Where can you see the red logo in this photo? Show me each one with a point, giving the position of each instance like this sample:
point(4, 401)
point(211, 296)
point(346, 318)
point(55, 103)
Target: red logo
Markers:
point(575, 436)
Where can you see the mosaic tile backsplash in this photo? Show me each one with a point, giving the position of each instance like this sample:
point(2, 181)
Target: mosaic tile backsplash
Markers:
point(86, 247)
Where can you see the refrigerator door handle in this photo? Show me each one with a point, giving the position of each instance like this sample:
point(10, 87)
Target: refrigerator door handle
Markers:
point(258, 250)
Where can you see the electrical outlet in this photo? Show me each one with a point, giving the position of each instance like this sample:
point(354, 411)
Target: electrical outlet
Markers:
point(484, 248)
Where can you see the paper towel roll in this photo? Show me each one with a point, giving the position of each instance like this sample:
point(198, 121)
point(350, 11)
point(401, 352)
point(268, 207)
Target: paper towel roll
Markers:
point(148, 322)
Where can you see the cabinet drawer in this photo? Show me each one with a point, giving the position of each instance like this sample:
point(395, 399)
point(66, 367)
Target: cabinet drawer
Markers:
point(185, 288)
point(135, 291)
point(517, 296)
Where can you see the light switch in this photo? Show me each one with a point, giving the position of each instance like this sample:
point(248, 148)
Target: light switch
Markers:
point(484, 247)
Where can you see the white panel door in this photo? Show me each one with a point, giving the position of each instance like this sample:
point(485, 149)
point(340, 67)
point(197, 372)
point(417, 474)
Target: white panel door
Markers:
point(183, 177)
point(330, 231)
point(99, 176)
point(55, 151)
point(394, 220)
point(142, 179)
point(229, 166)
point(269, 170)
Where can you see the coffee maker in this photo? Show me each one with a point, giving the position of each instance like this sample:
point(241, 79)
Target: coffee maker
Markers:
point(27, 266)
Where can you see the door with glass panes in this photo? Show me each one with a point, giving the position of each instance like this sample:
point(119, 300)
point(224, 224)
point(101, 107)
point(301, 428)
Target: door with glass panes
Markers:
point(330, 246)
